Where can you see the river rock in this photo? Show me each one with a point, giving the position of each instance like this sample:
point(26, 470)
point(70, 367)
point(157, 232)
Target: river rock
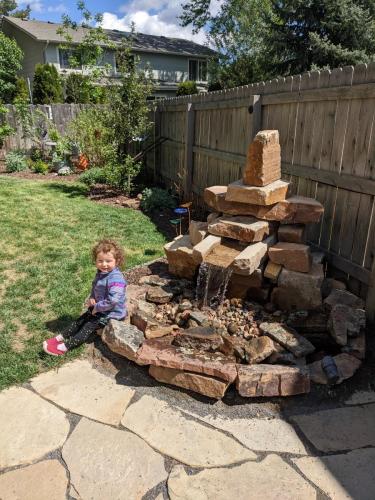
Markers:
point(346, 364)
point(263, 162)
point(122, 338)
point(202, 384)
point(272, 380)
point(217, 365)
point(240, 228)
point(267, 195)
point(288, 338)
point(293, 256)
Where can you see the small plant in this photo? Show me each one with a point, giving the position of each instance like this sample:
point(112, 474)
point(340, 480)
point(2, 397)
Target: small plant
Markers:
point(92, 176)
point(187, 88)
point(36, 154)
point(15, 161)
point(156, 198)
point(40, 167)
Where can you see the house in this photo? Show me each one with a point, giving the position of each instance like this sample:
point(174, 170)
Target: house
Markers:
point(172, 60)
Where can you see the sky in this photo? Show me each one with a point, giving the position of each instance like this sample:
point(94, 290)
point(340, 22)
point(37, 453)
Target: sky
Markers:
point(154, 17)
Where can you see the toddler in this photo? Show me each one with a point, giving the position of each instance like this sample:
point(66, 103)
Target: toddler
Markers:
point(106, 301)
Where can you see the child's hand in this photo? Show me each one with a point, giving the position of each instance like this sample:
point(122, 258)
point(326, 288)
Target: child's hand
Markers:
point(91, 302)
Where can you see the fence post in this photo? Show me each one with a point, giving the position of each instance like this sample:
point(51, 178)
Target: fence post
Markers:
point(370, 299)
point(157, 135)
point(255, 109)
point(189, 157)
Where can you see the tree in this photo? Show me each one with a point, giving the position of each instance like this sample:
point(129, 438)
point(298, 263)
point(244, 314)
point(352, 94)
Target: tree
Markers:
point(7, 8)
point(187, 88)
point(78, 89)
point(304, 35)
point(10, 63)
point(22, 91)
point(258, 40)
point(47, 87)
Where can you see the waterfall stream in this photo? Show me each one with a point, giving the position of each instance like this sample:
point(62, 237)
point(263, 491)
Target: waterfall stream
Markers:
point(212, 284)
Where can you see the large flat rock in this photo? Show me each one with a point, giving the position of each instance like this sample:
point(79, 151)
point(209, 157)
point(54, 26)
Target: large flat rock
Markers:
point(271, 479)
point(339, 429)
point(346, 476)
point(267, 195)
point(252, 256)
point(248, 229)
point(259, 434)
point(30, 427)
point(107, 463)
point(189, 442)
point(213, 364)
point(45, 480)
point(122, 338)
point(288, 338)
point(79, 388)
point(179, 253)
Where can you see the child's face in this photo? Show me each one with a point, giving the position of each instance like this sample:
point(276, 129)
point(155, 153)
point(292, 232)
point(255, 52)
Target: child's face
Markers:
point(105, 262)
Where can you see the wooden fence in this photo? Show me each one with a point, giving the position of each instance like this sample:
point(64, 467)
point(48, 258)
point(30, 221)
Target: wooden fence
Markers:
point(327, 134)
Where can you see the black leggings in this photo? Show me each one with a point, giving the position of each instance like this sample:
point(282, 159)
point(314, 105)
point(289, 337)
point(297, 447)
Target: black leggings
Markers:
point(81, 329)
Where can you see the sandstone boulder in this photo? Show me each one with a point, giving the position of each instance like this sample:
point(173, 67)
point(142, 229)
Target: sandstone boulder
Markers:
point(179, 253)
point(345, 321)
point(204, 248)
point(343, 297)
point(272, 271)
point(356, 346)
point(272, 380)
point(122, 338)
point(239, 285)
point(240, 228)
point(293, 256)
point(159, 295)
point(251, 351)
point(197, 231)
point(263, 163)
point(267, 195)
point(202, 384)
point(199, 338)
point(292, 233)
point(288, 338)
point(346, 364)
point(251, 258)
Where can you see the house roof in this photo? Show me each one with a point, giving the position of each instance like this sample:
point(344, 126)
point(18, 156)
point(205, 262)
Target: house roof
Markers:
point(46, 31)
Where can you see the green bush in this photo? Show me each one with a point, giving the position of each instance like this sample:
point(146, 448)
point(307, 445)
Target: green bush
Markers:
point(79, 89)
point(5, 129)
point(187, 88)
point(15, 161)
point(156, 199)
point(40, 167)
point(95, 175)
point(22, 90)
point(47, 88)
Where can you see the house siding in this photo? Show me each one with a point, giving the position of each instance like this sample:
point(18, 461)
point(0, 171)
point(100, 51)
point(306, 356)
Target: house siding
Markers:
point(32, 49)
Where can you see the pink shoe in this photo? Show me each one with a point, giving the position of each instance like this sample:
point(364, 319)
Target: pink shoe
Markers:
point(52, 341)
point(52, 348)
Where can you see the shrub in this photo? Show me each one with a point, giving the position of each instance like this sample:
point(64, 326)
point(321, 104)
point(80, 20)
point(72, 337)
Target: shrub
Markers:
point(95, 175)
point(10, 63)
point(36, 153)
point(79, 89)
point(15, 161)
point(22, 91)
point(121, 176)
point(5, 129)
point(156, 198)
point(40, 167)
point(187, 88)
point(47, 88)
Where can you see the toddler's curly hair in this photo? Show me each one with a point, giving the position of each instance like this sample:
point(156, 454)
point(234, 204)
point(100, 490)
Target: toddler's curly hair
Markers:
point(111, 246)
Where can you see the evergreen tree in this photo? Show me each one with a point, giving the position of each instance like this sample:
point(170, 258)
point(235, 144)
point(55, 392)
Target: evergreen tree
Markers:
point(7, 8)
point(47, 87)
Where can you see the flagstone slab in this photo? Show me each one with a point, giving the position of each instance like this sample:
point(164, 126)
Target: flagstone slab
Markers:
point(361, 398)
point(347, 476)
point(45, 480)
point(271, 479)
point(107, 463)
point(80, 388)
point(29, 427)
point(339, 429)
point(259, 434)
point(171, 433)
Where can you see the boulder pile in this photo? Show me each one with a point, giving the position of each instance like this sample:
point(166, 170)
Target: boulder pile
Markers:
point(282, 325)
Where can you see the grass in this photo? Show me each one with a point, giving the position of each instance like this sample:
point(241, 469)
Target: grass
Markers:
point(47, 231)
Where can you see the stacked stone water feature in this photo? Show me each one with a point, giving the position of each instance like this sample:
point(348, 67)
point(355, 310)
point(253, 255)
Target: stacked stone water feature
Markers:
point(257, 233)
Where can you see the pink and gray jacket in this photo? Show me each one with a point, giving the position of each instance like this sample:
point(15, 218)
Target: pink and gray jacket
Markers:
point(109, 292)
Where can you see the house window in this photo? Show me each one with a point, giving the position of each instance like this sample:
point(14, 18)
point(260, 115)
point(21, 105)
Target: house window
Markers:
point(197, 70)
point(66, 58)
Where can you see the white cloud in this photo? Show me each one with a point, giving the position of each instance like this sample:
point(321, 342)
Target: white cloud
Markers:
point(36, 6)
point(153, 17)
point(60, 8)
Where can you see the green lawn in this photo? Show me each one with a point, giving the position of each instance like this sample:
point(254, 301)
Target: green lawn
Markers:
point(47, 230)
